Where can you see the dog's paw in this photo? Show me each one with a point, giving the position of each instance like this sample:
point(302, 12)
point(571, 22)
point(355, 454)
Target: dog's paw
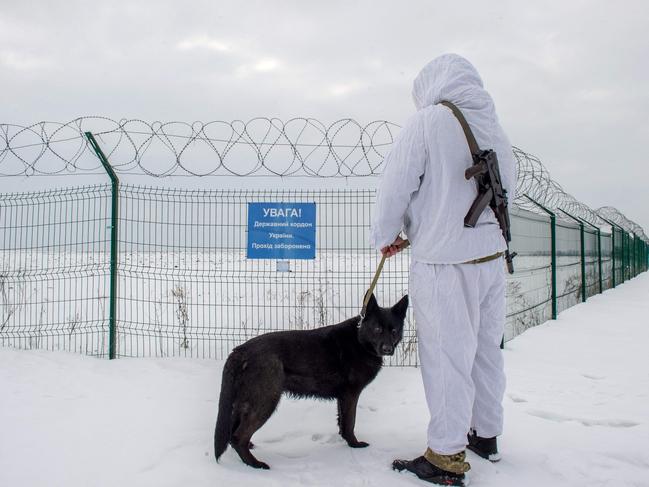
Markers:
point(358, 444)
point(261, 465)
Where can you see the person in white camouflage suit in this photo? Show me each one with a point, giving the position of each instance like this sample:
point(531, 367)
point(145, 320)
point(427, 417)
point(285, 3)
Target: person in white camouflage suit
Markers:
point(457, 274)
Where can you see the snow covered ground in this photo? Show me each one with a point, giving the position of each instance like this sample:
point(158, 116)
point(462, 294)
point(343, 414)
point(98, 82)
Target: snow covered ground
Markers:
point(577, 414)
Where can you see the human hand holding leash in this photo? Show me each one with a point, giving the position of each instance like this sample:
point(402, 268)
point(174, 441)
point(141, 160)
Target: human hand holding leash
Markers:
point(395, 247)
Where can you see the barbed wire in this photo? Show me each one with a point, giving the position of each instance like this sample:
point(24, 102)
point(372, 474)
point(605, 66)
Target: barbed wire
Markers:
point(534, 181)
point(613, 215)
point(259, 147)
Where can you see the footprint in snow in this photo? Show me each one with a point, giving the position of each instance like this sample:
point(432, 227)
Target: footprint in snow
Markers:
point(559, 418)
point(593, 377)
point(284, 437)
point(516, 398)
point(369, 408)
point(325, 438)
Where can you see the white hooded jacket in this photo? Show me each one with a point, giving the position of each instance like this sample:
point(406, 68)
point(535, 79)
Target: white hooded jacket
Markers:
point(423, 190)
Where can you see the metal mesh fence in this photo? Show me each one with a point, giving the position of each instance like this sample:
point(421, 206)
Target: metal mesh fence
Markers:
point(529, 291)
point(626, 248)
point(184, 284)
point(618, 253)
point(591, 261)
point(568, 265)
point(187, 288)
point(607, 261)
point(54, 269)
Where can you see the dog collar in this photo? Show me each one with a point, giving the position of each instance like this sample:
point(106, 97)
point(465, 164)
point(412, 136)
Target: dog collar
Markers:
point(360, 319)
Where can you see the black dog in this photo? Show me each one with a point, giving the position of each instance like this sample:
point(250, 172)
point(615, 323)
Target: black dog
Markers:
point(333, 362)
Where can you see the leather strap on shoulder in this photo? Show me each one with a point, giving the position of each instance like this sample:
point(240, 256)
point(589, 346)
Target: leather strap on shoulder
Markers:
point(473, 144)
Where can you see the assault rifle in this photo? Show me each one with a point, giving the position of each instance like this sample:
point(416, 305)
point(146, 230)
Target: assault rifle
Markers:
point(490, 190)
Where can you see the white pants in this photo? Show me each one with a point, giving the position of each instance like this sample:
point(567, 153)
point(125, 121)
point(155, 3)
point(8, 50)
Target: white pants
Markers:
point(460, 315)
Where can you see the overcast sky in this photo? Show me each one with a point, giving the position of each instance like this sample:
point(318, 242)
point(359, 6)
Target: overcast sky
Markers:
point(570, 78)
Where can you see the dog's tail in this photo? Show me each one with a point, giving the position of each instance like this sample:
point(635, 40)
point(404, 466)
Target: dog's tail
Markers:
point(223, 429)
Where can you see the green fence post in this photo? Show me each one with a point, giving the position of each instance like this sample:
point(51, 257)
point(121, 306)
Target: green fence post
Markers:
point(622, 258)
point(621, 235)
point(599, 258)
point(112, 317)
point(612, 249)
point(635, 254)
point(636, 239)
point(631, 256)
point(626, 255)
point(640, 255)
point(583, 256)
point(553, 250)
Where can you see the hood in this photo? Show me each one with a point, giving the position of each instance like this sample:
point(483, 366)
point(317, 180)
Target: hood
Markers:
point(452, 78)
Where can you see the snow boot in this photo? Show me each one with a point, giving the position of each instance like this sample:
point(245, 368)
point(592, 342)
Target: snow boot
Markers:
point(484, 447)
point(436, 469)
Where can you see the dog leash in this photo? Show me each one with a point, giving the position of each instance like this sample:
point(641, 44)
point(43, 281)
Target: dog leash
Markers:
point(403, 245)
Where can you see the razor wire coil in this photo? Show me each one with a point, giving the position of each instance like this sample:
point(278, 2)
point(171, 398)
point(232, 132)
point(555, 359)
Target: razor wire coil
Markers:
point(257, 147)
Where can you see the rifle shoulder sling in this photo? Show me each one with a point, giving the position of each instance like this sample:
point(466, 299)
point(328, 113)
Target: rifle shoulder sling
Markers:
point(473, 144)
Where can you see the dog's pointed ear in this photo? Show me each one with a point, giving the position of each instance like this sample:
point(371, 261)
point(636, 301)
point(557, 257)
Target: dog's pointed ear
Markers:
point(401, 307)
point(372, 305)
